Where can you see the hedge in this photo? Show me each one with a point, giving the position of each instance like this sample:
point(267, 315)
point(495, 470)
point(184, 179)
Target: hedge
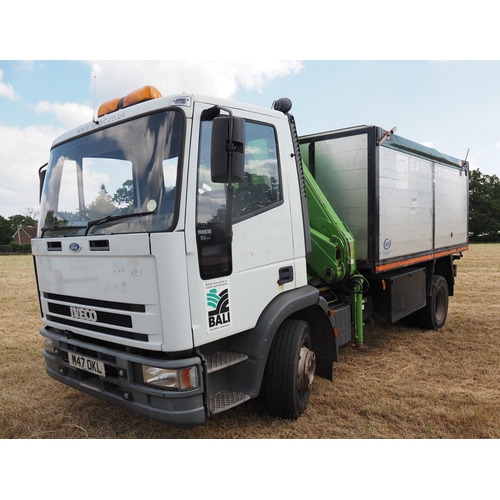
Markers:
point(16, 248)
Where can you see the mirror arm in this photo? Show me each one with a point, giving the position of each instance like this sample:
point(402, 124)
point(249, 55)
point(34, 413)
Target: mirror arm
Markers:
point(228, 226)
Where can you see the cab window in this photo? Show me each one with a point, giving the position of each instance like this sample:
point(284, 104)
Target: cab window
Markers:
point(259, 191)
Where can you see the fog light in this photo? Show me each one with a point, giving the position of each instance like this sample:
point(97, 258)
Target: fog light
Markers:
point(185, 378)
point(48, 345)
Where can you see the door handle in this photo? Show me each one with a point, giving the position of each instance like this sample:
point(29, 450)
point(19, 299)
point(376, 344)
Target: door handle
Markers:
point(285, 275)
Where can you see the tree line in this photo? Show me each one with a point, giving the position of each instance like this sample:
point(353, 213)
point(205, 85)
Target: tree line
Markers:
point(8, 228)
point(484, 207)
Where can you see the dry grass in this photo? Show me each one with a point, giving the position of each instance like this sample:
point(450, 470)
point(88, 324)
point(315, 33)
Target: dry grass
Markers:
point(406, 383)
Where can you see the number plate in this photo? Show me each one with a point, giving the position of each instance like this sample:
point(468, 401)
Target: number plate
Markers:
point(87, 364)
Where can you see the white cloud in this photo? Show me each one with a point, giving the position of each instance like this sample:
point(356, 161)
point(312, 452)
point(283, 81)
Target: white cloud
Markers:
point(217, 78)
point(69, 114)
point(7, 90)
point(22, 152)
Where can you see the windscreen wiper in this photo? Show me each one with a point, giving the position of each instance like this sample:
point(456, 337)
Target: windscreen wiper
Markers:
point(53, 228)
point(110, 218)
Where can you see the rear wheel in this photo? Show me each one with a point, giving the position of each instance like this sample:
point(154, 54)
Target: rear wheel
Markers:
point(290, 370)
point(433, 315)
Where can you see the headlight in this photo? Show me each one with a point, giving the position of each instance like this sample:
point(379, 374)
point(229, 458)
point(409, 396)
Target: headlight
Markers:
point(184, 378)
point(48, 345)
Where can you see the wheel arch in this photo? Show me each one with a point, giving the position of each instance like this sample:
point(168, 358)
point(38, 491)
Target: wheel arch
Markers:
point(324, 344)
point(301, 303)
point(323, 338)
point(433, 315)
point(441, 267)
point(295, 304)
point(444, 267)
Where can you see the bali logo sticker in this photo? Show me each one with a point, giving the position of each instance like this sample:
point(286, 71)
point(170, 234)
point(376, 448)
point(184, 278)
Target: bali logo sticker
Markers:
point(218, 312)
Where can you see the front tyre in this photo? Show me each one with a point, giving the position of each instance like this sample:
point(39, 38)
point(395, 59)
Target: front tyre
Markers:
point(290, 370)
point(433, 315)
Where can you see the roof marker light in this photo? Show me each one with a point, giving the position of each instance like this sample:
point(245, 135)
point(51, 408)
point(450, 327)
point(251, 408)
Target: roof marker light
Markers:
point(135, 97)
point(108, 107)
point(140, 95)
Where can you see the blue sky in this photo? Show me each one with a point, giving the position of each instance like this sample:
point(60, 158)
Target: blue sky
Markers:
point(450, 105)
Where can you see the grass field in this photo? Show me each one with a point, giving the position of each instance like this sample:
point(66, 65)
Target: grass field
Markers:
point(406, 383)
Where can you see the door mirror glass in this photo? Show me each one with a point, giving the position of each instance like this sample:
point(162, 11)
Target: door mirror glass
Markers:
point(227, 153)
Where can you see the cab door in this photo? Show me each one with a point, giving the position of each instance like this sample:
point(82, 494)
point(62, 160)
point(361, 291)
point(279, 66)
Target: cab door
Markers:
point(232, 281)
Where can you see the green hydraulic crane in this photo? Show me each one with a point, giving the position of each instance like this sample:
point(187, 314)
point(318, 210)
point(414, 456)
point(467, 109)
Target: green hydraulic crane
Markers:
point(333, 256)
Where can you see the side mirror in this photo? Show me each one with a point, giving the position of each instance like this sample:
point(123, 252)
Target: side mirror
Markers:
point(227, 161)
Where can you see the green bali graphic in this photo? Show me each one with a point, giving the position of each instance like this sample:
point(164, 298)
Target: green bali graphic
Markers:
point(212, 298)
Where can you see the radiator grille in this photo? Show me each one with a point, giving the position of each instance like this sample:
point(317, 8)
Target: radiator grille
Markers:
point(114, 319)
point(105, 304)
point(98, 328)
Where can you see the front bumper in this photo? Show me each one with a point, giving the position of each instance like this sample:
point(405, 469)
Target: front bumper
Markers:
point(122, 385)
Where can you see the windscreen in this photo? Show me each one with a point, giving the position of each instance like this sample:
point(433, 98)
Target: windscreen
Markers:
point(121, 179)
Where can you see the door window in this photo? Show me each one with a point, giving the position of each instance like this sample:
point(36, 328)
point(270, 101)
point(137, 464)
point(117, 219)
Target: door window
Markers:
point(259, 191)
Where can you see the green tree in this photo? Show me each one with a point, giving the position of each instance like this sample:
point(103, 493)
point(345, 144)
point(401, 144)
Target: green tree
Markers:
point(103, 204)
point(6, 231)
point(124, 197)
point(18, 221)
point(484, 206)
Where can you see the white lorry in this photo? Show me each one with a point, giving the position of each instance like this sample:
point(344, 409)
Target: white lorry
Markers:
point(187, 259)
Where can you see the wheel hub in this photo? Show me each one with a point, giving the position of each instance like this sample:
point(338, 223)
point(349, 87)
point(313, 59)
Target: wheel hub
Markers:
point(307, 366)
point(440, 308)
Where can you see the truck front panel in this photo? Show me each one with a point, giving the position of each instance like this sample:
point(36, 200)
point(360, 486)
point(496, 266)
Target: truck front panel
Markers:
point(119, 293)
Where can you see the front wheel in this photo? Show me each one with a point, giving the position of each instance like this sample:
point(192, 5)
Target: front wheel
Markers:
point(290, 370)
point(433, 315)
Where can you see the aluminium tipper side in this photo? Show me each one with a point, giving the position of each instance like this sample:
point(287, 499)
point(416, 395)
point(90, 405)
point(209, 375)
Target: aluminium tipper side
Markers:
point(404, 203)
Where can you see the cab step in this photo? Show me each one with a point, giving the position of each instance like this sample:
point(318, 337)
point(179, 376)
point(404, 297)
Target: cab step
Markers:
point(224, 400)
point(223, 359)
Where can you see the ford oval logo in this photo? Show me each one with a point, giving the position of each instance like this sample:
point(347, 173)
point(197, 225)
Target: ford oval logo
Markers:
point(75, 247)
